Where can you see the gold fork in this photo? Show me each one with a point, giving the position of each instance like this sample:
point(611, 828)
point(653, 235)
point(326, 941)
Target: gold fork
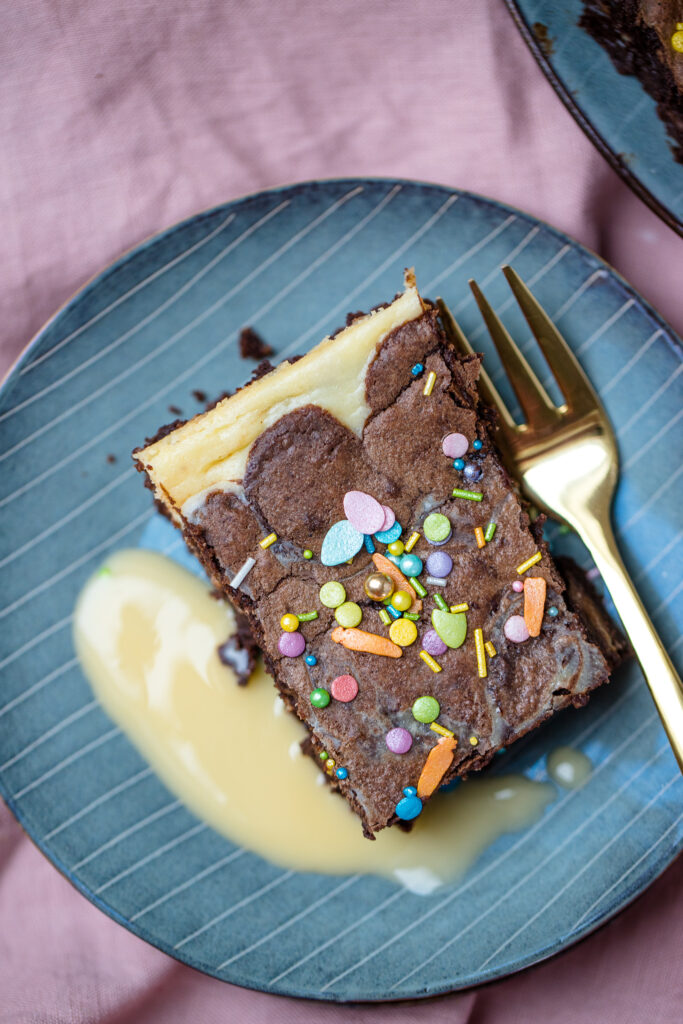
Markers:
point(566, 460)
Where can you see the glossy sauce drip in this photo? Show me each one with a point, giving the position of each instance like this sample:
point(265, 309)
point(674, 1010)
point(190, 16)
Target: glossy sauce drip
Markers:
point(569, 768)
point(146, 632)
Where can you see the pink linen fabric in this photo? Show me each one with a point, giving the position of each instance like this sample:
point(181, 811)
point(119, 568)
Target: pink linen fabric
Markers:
point(120, 117)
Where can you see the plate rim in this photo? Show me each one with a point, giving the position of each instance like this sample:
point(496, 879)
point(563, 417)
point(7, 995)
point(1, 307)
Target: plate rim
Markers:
point(560, 943)
point(584, 122)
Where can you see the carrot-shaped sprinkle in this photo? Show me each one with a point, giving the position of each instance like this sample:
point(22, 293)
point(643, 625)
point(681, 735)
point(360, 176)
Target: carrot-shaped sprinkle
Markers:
point(358, 640)
point(437, 764)
point(401, 582)
point(534, 603)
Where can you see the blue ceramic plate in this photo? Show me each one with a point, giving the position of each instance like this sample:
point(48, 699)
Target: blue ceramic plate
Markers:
point(614, 110)
point(100, 377)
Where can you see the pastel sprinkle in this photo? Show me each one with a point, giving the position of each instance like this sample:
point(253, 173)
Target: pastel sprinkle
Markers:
point(412, 541)
point(553, 612)
point(307, 616)
point(439, 564)
point(428, 660)
point(242, 573)
point(451, 627)
point(410, 565)
point(442, 730)
point(439, 760)
point(390, 535)
point(348, 614)
point(437, 528)
point(458, 464)
point(369, 545)
point(344, 688)
point(363, 511)
point(474, 742)
point(433, 644)
point(477, 445)
point(291, 645)
point(515, 629)
point(417, 369)
point(307, 553)
point(384, 565)
point(458, 492)
point(518, 586)
point(403, 632)
point(389, 518)
point(429, 383)
point(319, 698)
point(289, 622)
point(401, 600)
point(481, 653)
point(435, 581)
point(417, 587)
point(323, 755)
point(369, 643)
point(490, 531)
point(529, 562)
point(332, 594)
point(410, 806)
point(385, 617)
point(267, 541)
point(534, 603)
point(341, 542)
point(439, 601)
point(426, 709)
point(342, 773)
point(311, 659)
point(479, 535)
point(394, 613)
point(412, 616)
point(399, 741)
point(463, 607)
point(396, 547)
point(455, 445)
point(490, 649)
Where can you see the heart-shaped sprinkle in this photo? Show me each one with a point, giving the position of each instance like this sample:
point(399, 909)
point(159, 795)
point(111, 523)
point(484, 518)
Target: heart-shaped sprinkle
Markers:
point(451, 627)
point(389, 518)
point(341, 542)
point(363, 511)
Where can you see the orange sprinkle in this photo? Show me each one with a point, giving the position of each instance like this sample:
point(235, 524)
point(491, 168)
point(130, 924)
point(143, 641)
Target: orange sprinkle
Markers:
point(384, 565)
point(370, 643)
point(534, 603)
point(438, 762)
point(479, 534)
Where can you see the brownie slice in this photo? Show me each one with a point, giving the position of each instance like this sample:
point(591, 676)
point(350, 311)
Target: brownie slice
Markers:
point(277, 490)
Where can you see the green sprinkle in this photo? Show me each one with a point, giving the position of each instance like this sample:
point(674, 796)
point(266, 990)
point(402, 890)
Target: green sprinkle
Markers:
point(385, 617)
point(490, 530)
point(439, 602)
point(471, 495)
point(417, 587)
point(308, 553)
point(307, 616)
point(413, 616)
point(323, 755)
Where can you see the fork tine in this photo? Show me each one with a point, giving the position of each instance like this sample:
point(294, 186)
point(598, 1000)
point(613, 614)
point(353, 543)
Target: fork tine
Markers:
point(573, 382)
point(487, 388)
point(536, 406)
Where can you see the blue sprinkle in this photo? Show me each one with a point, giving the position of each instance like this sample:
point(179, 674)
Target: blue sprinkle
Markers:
point(410, 565)
point(311, 659)
point(410, 791)
point(369, 546)
point(390, 535)
point(458, 463)
point(393, 612)
point(393, 558)
point(341, 773)
point(410, 806)
point(553, 612)
point(417, 369)
point(477, 445)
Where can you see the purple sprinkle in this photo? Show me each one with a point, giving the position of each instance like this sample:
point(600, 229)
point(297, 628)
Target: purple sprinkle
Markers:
point(399, 741)
point(593, 573)
point(291, 645)
point(471, 472)
point(433, 644)
point(439, 564)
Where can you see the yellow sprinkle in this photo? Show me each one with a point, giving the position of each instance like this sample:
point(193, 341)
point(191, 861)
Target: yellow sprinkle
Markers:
point(429, 384)
point(490, 649)
point(481, 653)
point(412, 541)
point(464, 607)
point(479, 534)
point(329, 763)
point(529, 562)
point(428, 660)
point(677, 38)
point(267, 541)
point(474, 741)
point(440, 729)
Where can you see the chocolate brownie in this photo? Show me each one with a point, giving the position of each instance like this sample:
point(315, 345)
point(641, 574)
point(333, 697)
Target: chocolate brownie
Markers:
point(351, 504)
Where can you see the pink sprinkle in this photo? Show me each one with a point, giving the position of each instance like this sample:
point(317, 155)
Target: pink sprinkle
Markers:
point(291, 645)
point(344, 688)
point(518, 586)
point(455, 445)
point(515, 629)
point(389, 518)
point(363, 511)
point(399, 741)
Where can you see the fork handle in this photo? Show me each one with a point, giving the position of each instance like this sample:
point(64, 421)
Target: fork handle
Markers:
point(661, 676)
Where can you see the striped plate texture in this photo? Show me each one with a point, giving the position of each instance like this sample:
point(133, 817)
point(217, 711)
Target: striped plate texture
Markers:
point(100, 377)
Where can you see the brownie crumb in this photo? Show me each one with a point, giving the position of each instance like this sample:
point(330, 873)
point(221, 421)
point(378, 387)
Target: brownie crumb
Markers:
point(199, 396)
point(111, 458)
point(252, 345)
point(543, 38)
point(239, 651)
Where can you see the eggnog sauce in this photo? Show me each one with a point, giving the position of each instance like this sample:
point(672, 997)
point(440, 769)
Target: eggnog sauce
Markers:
point(146, 633)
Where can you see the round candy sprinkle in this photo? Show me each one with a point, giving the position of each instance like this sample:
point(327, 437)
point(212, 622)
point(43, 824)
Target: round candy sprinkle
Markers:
point(289, 622)
point(291, 645)
point(399, 741)
point(390, 535)
point(393, 558)
point(472, 472)
point(320, 698)
point(515, 629)
point(458, 464)
point(363, 511)
point(553, 611)
point(454, 445)
point(477, 445)
point(344, 688)
point(426, 709)
point(439, 564)
point(332, 594)
point(437, 528)
point(378, 586)
point(433, 644)
point(323, 755)
point(417, 369)
point(389, 518)
point(311, 659)
point(410, 565)
point(518, 586)
point(403, 632)
point(342, 773)
point(401, 601)
point(329, 765)
point(410, 806)
point(348, 614)
point(308, 553)
point(397, 547)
